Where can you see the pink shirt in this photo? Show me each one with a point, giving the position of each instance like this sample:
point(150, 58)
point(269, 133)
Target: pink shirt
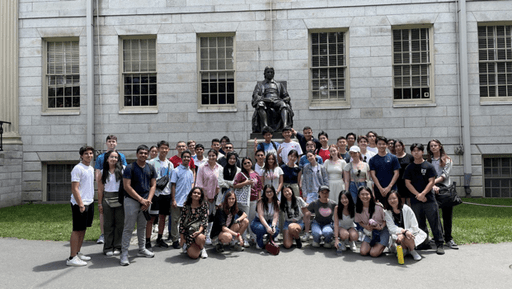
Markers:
point(256, 188)
point(208, 179)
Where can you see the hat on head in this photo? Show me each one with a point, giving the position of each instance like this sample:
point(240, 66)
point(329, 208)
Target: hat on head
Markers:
point(354, 149)
point(324, 187)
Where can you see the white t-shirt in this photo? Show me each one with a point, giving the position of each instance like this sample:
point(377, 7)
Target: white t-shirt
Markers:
point(112, 185)
point(373, 150)
point(84, 175)
point(287, 147)
point(259, 170)
point(272, 177)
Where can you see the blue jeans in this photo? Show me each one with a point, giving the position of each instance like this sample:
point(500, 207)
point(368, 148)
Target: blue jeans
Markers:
point(260, 230)
point(430, 211)
point(318, 230)
point(353, 189)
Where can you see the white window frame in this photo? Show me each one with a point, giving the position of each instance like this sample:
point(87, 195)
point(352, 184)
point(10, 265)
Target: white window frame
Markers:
point(430, 70)
point(328, 103)
point(137, 108)
point(46, 75)
point(494, 63)
point(228, 107)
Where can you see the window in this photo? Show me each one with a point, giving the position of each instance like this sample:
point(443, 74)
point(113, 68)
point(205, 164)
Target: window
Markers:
point(62, 75)
point(412, 65)
point(216, 71)
point(328, 67)
point(495, 61)
point(58, 182)
point(139, 73)
point(498, 176)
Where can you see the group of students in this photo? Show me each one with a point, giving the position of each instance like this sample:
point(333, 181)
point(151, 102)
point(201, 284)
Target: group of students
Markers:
point(371, 191)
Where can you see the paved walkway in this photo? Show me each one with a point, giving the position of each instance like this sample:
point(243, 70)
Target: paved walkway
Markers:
point(29, 264)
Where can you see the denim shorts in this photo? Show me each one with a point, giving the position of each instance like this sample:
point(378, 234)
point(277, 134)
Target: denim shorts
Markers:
point(286, 224)
point(384, 238)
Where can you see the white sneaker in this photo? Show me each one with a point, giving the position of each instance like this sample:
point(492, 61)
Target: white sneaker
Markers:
point(83, 257)
point(258, 247)
point(109, 253)
point(184, 249)
point(117, 252)
point(101, 239)
point(76, 262)
point(316, 244)
point(305, 237)
point(145, 253)
point(328, 245)
point(204, 255)
point(415, 255)
point(208, 241)
point(123, 261)
point(353, 246)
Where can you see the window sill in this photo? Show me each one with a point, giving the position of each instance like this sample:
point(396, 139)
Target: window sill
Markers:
point(60, 112)
point(409, 105)
point(503, 102)
point(324, 107)
point(224, 109)
point(138, 110)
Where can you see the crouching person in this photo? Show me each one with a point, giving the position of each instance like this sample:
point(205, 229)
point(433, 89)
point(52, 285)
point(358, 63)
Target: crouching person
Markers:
point(193, 222)
point(227, 228)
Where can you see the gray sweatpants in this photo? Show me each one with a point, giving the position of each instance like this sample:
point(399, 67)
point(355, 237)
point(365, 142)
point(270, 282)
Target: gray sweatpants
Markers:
point(132, 214)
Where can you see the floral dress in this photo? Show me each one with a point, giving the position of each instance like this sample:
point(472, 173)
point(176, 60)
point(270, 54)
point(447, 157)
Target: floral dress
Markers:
point(188, 215)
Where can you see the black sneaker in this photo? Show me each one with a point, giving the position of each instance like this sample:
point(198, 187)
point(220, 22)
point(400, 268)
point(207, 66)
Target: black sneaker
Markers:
point(298, 242)
point(440, 250)
point(148, 246)
point(219, 248)
point(176, 245)
point(162, 243)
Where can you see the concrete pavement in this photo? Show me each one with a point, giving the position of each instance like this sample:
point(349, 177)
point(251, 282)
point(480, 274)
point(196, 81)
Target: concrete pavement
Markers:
point(33, 264)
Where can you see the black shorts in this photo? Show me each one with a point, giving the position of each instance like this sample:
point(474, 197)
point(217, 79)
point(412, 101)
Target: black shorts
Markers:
point(162, 204)
point(82, 220)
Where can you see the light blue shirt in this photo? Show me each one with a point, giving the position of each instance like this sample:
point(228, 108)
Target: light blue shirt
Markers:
point(183, 178)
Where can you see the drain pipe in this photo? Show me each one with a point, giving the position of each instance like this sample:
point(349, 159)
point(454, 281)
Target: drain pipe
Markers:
point(464, 95)
point(90, 72)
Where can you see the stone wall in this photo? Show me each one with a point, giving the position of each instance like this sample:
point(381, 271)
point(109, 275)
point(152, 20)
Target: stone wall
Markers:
point(11, 160)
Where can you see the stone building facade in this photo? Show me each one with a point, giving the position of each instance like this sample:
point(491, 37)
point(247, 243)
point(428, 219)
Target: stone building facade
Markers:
point(186, 69)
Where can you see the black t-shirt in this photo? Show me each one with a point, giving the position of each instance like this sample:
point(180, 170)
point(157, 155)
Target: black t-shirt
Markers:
point(419, 174)
point(398, 219)
point(290, 174)
point(400, 183)
point(221, 220)
point(140, 178)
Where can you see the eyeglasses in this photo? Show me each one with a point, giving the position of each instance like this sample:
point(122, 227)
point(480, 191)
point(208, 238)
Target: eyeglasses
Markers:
point(229, 147)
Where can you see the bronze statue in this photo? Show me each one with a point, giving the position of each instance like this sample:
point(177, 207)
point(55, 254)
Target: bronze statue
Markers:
point(272, 105)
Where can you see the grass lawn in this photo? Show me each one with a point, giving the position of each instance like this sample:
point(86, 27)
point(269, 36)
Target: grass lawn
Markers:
point(471, 224)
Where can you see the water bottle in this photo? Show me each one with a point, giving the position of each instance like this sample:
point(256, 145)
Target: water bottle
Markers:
point(400, 254)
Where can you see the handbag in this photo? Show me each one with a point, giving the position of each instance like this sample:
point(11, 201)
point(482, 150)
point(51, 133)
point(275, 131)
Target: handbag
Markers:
point(112, 199)
point(243, 194)
point(447, 196)
point(162, 182)
point(271, 247)
point(191, 226)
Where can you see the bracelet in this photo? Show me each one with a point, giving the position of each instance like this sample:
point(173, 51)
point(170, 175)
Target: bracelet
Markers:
point(100, 205)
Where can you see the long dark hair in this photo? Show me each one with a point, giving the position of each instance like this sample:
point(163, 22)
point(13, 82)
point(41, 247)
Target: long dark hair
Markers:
point(229, 170)
point(351, 206)
point(188, 202)
point(284, 201)
point(444, 157)
point(118, 171)
point(359, 203)
point(400, 204)
point(225, 206)
point(243, 168)
point(264, 199)
point(267, 166)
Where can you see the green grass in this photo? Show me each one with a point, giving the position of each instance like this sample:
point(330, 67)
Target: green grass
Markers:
point(471, 224)
point(42, 222)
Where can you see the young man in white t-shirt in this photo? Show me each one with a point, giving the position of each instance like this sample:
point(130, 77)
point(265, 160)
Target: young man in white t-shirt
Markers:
point(287, 145)
point(82, 205)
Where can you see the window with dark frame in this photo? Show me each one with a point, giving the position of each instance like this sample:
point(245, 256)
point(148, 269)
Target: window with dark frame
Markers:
point(328, 66)
point(495, 61)
point(139, 72)
point(217, 72)
point(411, 64)
point(58, 182)
point(63, 74)
point(498, 177)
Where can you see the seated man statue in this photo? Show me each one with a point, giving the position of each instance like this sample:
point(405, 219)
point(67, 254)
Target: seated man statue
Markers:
point(272, 104)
